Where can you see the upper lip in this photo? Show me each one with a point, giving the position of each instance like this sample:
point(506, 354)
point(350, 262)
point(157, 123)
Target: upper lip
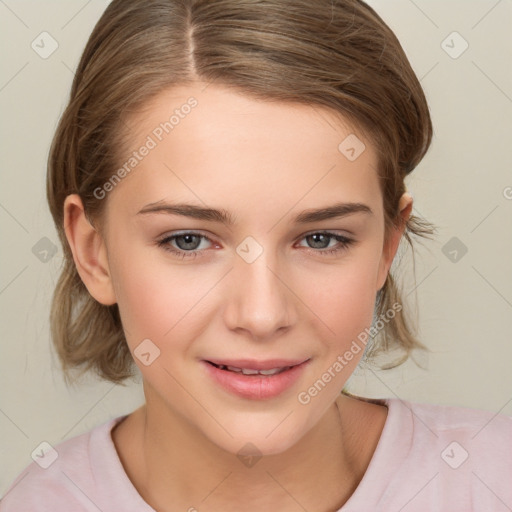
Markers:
point(252, 364)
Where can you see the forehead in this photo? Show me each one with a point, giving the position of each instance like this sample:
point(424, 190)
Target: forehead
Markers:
point(213, 145)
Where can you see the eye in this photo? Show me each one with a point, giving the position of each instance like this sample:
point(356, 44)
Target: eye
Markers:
point(322, 239)
point(187, 244)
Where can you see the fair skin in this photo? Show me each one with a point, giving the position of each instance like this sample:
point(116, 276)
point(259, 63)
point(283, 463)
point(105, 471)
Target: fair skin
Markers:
point(265, 162)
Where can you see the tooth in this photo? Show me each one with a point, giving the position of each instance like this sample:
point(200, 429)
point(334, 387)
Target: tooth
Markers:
point(247, 371)
point(273, 371)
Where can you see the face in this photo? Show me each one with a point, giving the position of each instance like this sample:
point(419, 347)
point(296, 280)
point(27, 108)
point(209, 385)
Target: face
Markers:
point(263, 287)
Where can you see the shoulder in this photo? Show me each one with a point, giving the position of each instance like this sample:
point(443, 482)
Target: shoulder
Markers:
point(447, 417)
point(481, 430)
point(61, 477)
point(483, 434)
point(461, 455)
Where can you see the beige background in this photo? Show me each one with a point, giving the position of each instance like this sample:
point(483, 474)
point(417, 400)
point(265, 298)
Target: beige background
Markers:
point(464, 186)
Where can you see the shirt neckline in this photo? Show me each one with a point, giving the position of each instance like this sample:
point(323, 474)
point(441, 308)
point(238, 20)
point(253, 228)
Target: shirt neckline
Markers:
point(112, 480)
point(109, 473)
point(392, 447)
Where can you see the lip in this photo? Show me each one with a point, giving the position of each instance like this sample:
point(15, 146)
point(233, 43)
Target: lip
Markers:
point(256, 387)
point(252, 364)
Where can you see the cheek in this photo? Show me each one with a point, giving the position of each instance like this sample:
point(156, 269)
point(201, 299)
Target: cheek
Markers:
point(344, 296)
point(155, 300)
point(344, 307)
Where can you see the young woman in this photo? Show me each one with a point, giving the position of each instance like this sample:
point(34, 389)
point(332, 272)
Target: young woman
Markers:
point(228, 185)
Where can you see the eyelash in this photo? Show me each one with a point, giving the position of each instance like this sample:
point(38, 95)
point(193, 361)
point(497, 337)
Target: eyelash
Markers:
point(344, 243)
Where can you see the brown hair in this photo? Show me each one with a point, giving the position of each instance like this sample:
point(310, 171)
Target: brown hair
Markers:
point(337, 54)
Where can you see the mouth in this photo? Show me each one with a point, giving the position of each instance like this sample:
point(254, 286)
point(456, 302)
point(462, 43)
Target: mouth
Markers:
point(252, 368)
point(256, 380)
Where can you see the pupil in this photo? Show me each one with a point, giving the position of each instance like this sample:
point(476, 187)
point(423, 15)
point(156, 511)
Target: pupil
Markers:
point(189, 240)
point(316, 237)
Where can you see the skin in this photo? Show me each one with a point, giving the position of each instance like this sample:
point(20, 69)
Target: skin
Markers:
point(264, 162)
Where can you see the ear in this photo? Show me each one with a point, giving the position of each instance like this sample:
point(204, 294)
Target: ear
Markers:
point(89, 251)
point(391, 245)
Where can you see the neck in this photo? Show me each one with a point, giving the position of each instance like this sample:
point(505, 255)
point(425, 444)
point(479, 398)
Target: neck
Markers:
point(177, 466)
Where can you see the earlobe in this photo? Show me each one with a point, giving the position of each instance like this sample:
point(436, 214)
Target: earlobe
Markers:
point(89, 251)
point(391, 246)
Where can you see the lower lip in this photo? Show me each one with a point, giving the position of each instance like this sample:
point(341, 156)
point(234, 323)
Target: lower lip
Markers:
point(256, 387)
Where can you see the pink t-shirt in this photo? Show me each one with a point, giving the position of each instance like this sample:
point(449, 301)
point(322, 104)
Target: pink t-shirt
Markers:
point(428, 458)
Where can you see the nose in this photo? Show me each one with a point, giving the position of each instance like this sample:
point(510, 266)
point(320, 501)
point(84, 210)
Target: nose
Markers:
point(260, 300)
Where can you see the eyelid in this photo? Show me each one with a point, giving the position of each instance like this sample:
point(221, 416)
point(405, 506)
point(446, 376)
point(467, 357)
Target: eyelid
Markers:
point(182, 232)
point(335, 232)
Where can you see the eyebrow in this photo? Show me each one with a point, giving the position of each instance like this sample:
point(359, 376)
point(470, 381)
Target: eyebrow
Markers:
point(220, 215)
